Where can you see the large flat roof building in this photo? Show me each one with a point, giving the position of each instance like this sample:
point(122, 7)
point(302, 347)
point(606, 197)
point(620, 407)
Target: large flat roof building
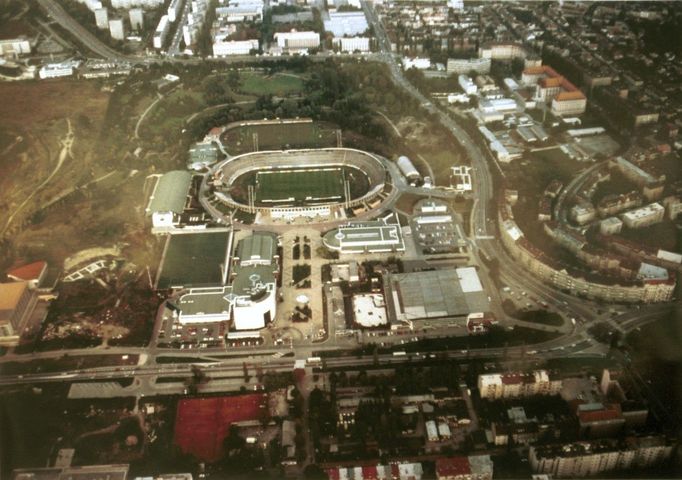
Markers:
point(374, 236)
point(169, 198)
point(435, 295)
point(346, 24)
point(297, 40)
point(195, 259)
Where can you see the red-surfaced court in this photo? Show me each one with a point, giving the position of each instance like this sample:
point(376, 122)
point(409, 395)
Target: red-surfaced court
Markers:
point(201, 424)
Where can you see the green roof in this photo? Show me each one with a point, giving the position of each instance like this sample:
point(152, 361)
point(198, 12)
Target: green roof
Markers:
point(194, 259)
point(253, 279)
point(258, 246)
point(170, 193)
point(205, 301)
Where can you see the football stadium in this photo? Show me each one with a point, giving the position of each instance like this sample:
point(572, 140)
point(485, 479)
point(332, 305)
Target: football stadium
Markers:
point(295, 183)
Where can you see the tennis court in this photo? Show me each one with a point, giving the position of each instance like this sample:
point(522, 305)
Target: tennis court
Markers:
point(202, 424)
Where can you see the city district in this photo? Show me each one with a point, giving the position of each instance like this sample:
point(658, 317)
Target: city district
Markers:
point(340, 240)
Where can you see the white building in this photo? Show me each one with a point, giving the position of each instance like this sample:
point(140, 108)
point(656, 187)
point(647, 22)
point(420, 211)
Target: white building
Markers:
point(91, 4)
point(174, 10)
point(54, 70)
point(644, 217)
point(511, 84)
point(168, 200)
point(583, 459)
point(369, 310)
point(102, 18)
point(375, 236)
point(517, 384)
point(346, 24)
point(461, 178)
point(14, 47)
point(418, 63)
point(408, 169)
point(610, 225)
point(224, 48)
point(467, 85)
point(352, 44)
point(136, 18)
point(297, 40)
point(238, 11)
point(569, 103)
point(126, 4)
point(117, 29)
point(465, 65)
point(161, 32)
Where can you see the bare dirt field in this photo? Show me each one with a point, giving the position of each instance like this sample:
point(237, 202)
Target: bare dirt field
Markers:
point(65, 185)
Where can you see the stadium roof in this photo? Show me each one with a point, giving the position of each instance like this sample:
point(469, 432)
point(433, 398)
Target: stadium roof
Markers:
point(170, 193)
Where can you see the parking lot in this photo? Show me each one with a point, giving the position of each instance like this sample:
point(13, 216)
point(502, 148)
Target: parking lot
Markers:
point(196, 335)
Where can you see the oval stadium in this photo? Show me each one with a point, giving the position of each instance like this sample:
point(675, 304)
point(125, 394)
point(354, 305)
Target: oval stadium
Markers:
point(289, 184)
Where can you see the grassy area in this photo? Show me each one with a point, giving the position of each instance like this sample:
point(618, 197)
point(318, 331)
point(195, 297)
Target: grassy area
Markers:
point(407, 201)
point(274, 136)
point(547, 165)
point(541, 317)
point(283, 185)
point(279, 84)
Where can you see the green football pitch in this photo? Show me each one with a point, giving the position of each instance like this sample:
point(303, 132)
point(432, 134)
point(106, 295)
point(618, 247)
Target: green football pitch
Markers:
point(276, 136)
point(281, 186)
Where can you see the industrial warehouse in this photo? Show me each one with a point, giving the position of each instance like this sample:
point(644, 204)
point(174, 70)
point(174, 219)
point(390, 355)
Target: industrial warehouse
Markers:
point(432, 297)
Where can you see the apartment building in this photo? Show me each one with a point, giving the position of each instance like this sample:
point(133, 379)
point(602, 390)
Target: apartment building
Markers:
point(584, 459)
point(518, 384)
point(644, 217)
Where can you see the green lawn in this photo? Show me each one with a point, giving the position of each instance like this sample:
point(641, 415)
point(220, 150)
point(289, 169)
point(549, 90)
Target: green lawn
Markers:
point(279, 84)
point(547, 165)
point(276, 136)
point(282, 185)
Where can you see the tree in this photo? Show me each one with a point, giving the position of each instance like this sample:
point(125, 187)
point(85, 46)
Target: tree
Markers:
point(314, 472)
point(234, 79)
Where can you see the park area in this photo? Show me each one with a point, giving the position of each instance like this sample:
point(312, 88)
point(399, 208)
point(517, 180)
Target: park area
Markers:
point(203, 424)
